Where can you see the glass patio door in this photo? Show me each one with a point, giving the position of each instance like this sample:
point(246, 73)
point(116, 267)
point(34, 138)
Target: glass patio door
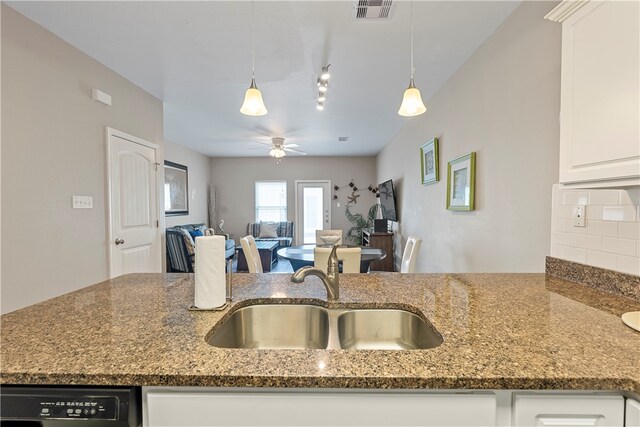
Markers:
point(313, 209)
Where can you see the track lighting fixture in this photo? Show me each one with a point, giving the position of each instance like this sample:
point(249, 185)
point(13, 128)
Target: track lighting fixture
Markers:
point(325, 73)
point(323, 84)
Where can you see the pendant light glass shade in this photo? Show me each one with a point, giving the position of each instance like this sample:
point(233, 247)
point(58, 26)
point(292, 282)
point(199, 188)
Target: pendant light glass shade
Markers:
point(253, 104)
point(277, 152)
point(412, 104)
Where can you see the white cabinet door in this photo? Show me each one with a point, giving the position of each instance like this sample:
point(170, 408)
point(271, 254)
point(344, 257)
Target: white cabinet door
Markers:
point(600, 95)
point(193, 408)
point(567, 410)
point(632, 414)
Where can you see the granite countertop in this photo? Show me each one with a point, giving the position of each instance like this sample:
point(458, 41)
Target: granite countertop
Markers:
point(501, 331)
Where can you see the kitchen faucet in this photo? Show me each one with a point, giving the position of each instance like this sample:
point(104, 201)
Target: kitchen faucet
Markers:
point(329, 279)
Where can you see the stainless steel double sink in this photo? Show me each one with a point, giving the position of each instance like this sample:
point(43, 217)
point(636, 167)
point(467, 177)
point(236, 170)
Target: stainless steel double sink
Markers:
point(298, 326)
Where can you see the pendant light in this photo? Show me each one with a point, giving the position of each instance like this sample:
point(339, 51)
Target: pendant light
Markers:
point(412, 104)
point(253, 104)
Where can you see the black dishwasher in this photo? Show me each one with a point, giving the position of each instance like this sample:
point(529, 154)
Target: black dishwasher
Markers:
point(34, 406)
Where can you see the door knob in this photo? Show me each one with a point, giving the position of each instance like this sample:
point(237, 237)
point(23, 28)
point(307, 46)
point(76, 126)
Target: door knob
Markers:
point(119, 241)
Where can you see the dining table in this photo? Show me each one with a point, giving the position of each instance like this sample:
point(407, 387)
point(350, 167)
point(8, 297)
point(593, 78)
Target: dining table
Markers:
point(302, 255)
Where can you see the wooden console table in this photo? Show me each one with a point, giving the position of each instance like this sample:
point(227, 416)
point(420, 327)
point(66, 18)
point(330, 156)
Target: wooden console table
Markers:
point(382, 241)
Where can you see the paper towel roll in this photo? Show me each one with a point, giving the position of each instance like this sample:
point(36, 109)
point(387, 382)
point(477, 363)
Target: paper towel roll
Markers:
point(211, 287)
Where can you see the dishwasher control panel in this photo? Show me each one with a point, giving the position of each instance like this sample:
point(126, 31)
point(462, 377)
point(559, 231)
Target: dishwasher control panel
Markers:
point(55, 406)
point(60, 407)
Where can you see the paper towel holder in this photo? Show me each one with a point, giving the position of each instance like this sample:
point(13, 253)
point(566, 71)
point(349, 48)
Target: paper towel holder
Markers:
point(222, 307)
point(229, 292)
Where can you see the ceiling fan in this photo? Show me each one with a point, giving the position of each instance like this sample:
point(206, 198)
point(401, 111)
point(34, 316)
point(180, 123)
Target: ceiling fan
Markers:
point(279, 148)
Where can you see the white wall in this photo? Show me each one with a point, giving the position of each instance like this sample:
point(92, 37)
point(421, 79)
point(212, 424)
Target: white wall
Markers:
point(54, 147)
point(236, 177)
point(611, 236)
point(199, 174)
point(503, 103)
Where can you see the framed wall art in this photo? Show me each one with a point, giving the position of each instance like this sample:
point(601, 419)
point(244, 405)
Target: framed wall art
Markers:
point(429, 169)
point(461, 183)
point(176, 189)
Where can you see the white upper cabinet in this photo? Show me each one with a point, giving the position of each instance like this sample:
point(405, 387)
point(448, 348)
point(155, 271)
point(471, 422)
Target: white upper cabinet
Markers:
point(600, 96)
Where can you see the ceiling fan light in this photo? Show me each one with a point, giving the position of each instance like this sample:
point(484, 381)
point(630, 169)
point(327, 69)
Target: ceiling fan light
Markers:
point(322, 89)
point(320, 107)
point(412, 104)
point(253, 104)
point(321, 97)
point(277, 152)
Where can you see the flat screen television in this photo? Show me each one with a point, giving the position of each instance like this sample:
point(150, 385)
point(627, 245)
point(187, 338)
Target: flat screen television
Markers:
point(388, 201)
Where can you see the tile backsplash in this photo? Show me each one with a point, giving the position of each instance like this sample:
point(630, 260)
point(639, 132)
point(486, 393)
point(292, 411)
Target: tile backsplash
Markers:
point(611, 236)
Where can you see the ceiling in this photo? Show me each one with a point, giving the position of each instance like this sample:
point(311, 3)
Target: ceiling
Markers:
point(196, 57)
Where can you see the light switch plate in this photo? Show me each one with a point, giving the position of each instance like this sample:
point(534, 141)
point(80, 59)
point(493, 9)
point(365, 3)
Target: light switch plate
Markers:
point(82, 202)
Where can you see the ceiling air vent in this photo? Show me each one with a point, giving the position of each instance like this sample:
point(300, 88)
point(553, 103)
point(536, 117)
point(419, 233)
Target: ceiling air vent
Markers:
point(372, 10)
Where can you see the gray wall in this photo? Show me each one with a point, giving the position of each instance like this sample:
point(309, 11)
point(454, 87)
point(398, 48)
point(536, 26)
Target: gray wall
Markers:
point(199, 170)
point(53, 147)
point(503, 103)
point(236, 177)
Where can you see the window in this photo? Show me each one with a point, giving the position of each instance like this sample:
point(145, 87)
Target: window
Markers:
point(271, 201)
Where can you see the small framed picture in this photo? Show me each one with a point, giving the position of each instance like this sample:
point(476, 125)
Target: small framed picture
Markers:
point(429, 162)
point(461, 183)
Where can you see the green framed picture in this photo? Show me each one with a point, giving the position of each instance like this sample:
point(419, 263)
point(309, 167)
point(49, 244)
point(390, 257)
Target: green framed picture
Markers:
point(461, 183)
point(429, 162)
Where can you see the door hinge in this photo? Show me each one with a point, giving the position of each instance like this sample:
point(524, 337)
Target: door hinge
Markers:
point(156, 165)
point(157, 224)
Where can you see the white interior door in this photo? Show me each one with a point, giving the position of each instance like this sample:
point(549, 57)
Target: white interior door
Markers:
point(134, 233)
point(313, 209)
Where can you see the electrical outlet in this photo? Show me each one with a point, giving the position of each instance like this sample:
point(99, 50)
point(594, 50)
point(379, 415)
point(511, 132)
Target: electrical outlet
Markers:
point(82, 202)
point(578, 216)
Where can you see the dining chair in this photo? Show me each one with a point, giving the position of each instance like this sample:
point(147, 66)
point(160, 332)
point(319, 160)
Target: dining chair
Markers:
point(251, 254)
point(350, 258)
point(323, 233)
point(410, 255)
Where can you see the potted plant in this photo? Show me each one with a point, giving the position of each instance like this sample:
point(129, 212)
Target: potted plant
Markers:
point(360, 222)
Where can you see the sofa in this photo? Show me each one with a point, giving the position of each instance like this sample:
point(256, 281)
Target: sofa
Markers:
point(181, 247)
point(283, 232)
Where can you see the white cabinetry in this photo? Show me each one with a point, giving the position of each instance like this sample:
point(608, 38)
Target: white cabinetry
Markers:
point(632, 414)
point(207, 406)
point(600, 95)
point(219, 408)
point(567, 410)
